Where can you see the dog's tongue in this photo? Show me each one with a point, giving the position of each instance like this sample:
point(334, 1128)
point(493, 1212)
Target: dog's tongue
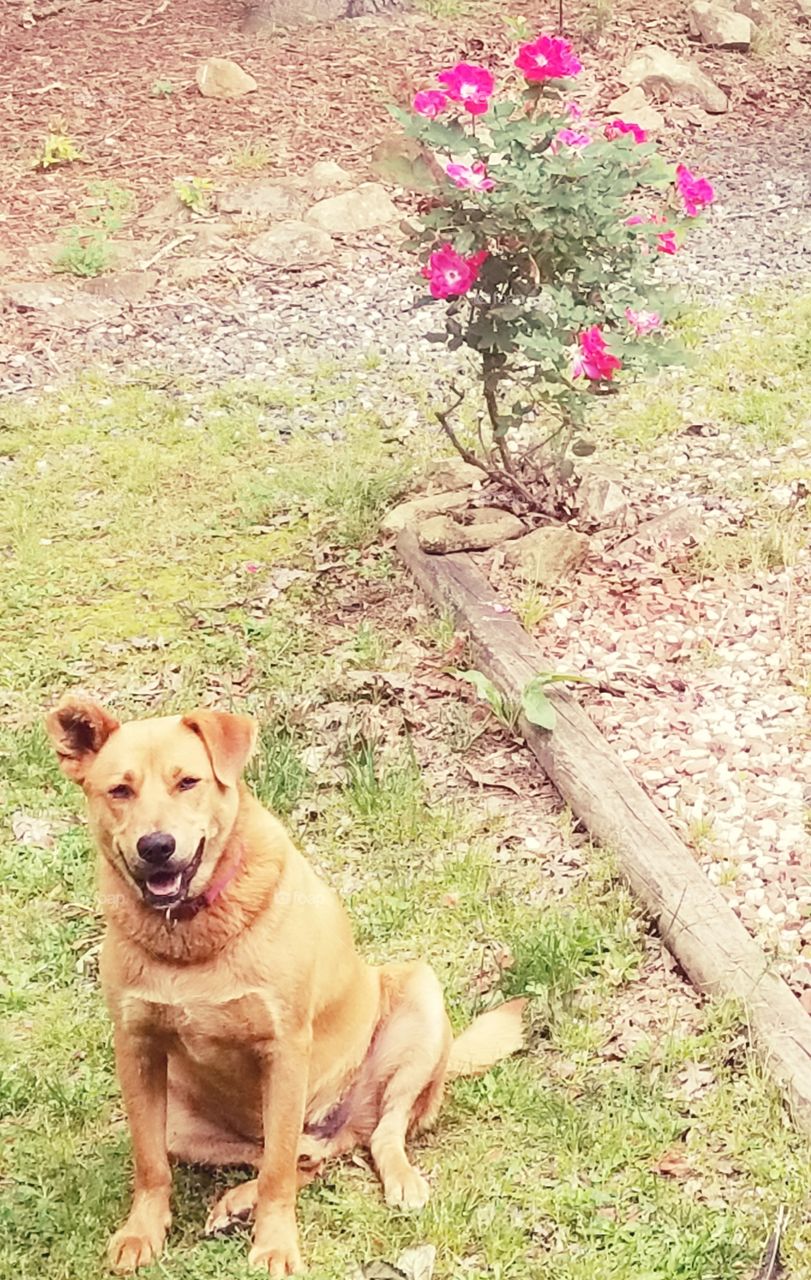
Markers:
point(165, 884)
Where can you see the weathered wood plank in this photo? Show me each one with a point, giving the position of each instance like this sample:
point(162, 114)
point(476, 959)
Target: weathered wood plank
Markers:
point(703, 933)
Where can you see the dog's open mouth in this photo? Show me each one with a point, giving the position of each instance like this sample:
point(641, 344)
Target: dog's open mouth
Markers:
point(165, 889)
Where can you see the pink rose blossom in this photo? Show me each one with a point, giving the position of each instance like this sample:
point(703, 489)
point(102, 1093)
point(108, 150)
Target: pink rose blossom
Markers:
point(449, 273)
point(251, 566)
point(616, 129)
point(429, 103)
point(665, 241)
point(569, 138)
point(473, 176)
point(643, 322)
point(548, 58)
point(696, 193)
point(594, 360)
point(468, 84)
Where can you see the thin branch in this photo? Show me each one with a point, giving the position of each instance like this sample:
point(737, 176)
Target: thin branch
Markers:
point(493, 473)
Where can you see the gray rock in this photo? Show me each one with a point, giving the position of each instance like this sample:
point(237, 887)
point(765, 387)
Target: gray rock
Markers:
point(547, 554)
point(222, 78)
point(190, 270)
point(454, 473)
point(30, 295)
point(486, 527)
point(752, 9)
point(666, 532)
point(168, 209)
point(634, 107)
point(669, 78)
point(719, 27)
point(326, 178)
point(124, 286)
point(369, 205)
point(292, 244)
point(262, 200)
point(600, 496)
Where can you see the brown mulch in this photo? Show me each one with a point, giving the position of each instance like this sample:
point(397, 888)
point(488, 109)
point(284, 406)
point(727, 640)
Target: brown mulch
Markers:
point(322, 90)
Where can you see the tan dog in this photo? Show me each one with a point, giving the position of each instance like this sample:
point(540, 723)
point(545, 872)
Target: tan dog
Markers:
point(248, 1030)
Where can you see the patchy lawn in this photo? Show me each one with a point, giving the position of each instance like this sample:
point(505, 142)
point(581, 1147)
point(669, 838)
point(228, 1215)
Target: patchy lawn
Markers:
point(148, 533)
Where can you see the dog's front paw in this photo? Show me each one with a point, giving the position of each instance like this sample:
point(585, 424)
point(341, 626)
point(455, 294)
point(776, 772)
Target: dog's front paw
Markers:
point(275, 1247)
point(233, 1209)
point(133, 1247)
point(408, 1190)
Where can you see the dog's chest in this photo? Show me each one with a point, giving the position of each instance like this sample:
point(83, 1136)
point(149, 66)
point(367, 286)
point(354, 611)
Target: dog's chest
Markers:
point(204, 1021)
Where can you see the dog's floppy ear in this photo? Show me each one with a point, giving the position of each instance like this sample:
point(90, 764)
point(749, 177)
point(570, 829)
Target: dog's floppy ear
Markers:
point(229, 740)
point(78, 728)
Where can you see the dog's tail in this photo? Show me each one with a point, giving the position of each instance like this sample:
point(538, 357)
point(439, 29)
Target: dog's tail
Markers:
point(492, 1036)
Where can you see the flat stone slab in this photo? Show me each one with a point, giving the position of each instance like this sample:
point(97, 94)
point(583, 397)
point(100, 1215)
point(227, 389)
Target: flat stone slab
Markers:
point(368, 206)
point(669, 78)
point(547, 554)
point(291, 244)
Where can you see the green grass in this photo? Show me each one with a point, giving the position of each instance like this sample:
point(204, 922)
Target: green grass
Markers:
point(140, 527)
point(749, 370)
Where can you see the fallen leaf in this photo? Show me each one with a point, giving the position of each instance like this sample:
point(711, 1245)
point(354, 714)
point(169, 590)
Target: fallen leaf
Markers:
point(674, 1164)
point(490, 779)
point(418, 1263)
point(27, 829)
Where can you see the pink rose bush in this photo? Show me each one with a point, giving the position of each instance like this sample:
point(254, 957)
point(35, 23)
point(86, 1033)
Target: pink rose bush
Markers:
point(541, 236)
point(430, 103)
point(473, 176)
point(592, 359)
point(469, 85)
point(548, 58)
point(449, 274)
point(696, 193)
point(622, 128)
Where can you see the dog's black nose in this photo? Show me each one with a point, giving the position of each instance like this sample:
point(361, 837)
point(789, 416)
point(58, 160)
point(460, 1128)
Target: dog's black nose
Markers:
point(157, 847)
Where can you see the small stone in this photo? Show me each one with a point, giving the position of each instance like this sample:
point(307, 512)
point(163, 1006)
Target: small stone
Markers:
point(634, 107)
point(454, 473)
point(222, 78)
point(170, 208)
point(32, 296)
point(369, 205)
point(409, 513)
point(547, 554)
point(124, 286)
point(668, 531)
point(669, 78)
point(262, 200)
point(190, 270)
point(752, 9)
point(487, 526)
point(719, 27)
point(599, 497)
point(292, 244)
point(326, 178)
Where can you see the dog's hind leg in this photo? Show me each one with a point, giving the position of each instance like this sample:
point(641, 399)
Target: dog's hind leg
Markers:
point(409, 1060)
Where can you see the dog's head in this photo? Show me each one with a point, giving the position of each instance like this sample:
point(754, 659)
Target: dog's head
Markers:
point(162, 794)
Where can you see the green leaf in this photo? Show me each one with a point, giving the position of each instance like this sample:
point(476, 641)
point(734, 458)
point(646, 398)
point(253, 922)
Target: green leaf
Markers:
point(485, 688)
point(536, 706)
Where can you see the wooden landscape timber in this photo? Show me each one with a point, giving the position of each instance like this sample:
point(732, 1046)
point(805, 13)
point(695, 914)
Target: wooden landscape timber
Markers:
point(712, 946)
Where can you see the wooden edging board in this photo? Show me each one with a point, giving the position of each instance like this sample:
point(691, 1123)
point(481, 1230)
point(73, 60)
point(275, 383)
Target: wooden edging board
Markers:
point(703, 933)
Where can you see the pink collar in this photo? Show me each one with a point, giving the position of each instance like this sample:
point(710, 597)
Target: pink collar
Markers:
point(192, 906)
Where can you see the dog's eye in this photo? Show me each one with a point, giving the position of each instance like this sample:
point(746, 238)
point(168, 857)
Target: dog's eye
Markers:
point(120, 792)
point(186, 784)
